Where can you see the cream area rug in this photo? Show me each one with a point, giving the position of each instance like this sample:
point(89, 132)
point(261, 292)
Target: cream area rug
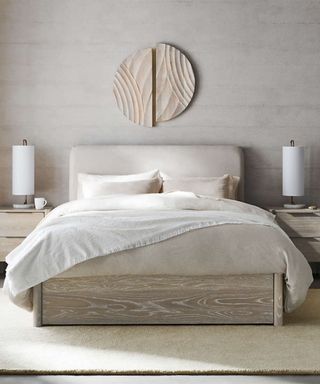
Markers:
point(292, 349)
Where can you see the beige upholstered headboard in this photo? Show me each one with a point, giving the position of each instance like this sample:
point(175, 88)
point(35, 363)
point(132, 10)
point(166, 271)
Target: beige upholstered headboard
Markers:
point(175, 160)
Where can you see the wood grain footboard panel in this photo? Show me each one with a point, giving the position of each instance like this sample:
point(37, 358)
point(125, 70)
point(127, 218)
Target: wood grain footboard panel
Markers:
point(158, 299)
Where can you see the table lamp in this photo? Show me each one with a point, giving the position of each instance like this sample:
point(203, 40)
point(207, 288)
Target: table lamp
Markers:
point(293, 174)
point(23, 173)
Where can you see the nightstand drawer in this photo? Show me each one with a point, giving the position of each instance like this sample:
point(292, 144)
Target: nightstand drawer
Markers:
point(299, 224)
point(14, 224)
point(309, 247)
point(7, 244)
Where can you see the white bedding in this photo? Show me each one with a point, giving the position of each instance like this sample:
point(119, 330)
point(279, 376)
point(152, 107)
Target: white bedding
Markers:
point(81, 230)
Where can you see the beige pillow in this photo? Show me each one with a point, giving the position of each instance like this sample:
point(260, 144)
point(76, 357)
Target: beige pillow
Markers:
point(233, 187)
point(88, 181)
point(121, 187)
point(211, 186)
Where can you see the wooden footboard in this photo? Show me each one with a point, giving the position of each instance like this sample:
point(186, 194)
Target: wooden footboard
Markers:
point(160, 299)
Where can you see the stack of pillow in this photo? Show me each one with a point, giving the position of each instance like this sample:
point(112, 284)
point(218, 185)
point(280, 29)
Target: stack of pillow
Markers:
point(155, 182)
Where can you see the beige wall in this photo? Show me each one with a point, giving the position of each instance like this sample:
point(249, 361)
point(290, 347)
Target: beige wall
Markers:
point(257, 65)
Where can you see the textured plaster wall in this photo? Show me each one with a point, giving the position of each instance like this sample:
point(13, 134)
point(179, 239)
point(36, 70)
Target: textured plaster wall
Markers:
point(258, 71)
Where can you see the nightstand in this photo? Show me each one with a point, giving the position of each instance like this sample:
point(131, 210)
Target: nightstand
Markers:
point(303, 227)
point(15, 225)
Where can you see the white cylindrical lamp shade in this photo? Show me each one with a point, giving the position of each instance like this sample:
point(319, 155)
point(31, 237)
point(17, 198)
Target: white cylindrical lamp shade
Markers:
point(22, 169)
point(292, 171)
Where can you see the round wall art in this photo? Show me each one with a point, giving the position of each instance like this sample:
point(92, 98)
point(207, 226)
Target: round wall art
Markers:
point(154, 85)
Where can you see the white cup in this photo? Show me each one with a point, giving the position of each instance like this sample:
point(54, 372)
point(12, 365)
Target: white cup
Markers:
point(40, 202)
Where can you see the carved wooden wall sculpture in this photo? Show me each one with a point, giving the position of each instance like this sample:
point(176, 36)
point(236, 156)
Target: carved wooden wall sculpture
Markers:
point(154, 85)
point(175, 82)
point(132, 87)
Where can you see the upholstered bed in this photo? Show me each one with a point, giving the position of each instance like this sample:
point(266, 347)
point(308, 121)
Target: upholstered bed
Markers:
point(226, 265)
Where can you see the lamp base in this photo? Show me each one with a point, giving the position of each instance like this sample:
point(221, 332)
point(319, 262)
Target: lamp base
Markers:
point(294, 206)
point(23, 206)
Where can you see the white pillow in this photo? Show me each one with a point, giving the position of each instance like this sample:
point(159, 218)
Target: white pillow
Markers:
point(88, 181)
point(211, 186)
point(121, 187)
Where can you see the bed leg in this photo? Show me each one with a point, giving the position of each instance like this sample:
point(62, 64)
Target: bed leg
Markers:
point(37, 305)
point(277, 299)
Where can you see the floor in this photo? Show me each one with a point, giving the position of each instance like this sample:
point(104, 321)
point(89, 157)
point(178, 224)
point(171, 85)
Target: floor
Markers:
point(162, 379)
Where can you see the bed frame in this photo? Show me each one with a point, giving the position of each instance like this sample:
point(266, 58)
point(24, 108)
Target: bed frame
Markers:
point(154, 299)
point(159, 299)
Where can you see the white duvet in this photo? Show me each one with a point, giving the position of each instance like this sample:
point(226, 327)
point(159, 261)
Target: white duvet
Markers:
point(82, 230)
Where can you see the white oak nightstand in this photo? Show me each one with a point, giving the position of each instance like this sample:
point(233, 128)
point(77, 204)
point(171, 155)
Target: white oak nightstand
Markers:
point(15, 225)
point(303, 227)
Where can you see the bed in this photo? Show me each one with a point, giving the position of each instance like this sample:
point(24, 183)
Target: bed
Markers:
point(171, 282)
